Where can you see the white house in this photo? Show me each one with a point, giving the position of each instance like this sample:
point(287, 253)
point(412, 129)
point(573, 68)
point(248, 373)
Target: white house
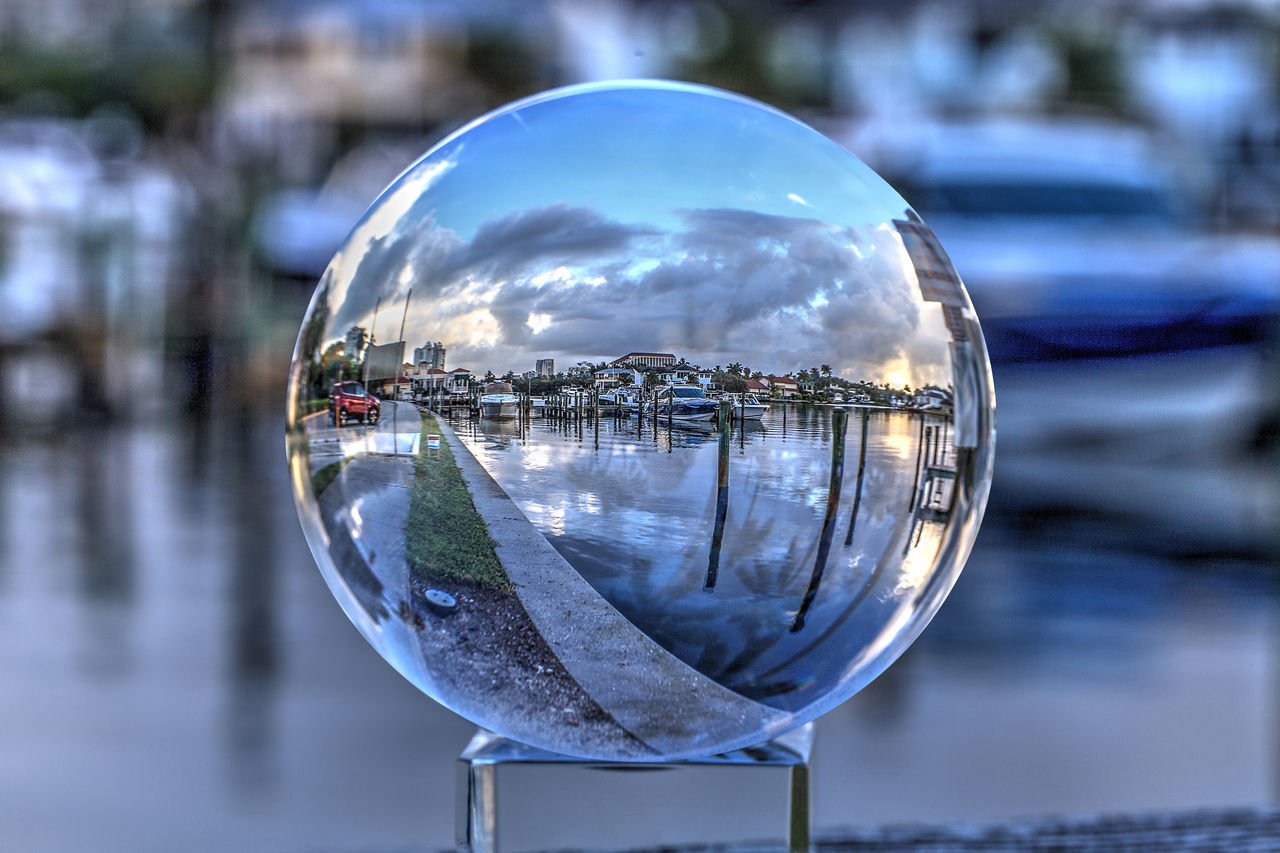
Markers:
point(611, 377)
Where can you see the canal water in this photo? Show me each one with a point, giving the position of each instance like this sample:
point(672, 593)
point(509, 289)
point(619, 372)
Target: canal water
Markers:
point(177, 676)
point(764, 608)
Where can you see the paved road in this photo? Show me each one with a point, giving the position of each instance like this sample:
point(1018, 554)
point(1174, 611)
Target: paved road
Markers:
point(397, 433)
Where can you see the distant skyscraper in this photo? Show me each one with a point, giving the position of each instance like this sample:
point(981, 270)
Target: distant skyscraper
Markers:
point(432, 352)
point(354, 345)
point(545, 367)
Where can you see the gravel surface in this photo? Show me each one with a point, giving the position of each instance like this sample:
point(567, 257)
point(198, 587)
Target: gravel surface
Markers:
point(494, 664)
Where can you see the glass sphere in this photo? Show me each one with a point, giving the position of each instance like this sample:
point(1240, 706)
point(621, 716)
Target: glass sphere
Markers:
point(640, 421)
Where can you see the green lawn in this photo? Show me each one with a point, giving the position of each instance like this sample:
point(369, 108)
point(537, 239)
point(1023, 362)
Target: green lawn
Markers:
point(445, 537)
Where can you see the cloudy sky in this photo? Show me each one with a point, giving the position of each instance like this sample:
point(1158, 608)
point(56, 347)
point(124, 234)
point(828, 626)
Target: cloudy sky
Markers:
point(585, 226)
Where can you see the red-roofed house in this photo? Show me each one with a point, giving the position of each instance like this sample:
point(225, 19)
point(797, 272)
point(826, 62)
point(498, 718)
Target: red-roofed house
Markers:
point(783, 386)
point(429, 380)
point(400, 388)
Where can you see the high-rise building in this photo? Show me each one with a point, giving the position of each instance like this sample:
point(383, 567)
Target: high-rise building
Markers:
point(545, 367)
point(432, 352)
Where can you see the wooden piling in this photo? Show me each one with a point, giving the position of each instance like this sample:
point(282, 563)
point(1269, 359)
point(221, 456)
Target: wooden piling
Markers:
point(928, 441)
point(723, 416)
point(911, 503)
point(839, 424)
point(857, 489)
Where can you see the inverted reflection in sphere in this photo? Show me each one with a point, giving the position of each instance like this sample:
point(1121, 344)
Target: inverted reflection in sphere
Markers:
point(640, 421)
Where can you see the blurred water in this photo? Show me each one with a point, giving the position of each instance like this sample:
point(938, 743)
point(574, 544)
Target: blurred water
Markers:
point(177, 675)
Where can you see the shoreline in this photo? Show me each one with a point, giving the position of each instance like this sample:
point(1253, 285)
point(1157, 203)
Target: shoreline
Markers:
point(619, 666)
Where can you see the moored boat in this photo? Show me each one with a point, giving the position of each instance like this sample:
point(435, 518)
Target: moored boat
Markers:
point(499, 401)
point(626, 400)
point(683, 403)
point(746, 407)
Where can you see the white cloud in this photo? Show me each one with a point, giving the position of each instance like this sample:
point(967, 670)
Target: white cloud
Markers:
point(776, 293)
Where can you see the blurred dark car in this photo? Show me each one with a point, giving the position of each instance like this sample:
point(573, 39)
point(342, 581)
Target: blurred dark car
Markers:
point(350, 400)
point(1131, 346)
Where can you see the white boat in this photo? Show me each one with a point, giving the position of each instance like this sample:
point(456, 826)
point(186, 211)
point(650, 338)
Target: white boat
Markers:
point(746, 407)
point(683, 403)
point(499, 401)
point(626, 399)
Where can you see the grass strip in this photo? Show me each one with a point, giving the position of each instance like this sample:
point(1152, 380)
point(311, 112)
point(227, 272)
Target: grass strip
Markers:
point(446, 538)
point(321, 479)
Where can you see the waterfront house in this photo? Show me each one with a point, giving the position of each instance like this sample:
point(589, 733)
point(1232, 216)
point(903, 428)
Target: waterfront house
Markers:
point(399, 388)
point(783, 387)
point(432, 380)
point(931, 397)
point(680, 374)
point(612, 377)
point(645, 359)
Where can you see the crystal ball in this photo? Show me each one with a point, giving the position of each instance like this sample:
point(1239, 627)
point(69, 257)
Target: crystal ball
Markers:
point(640, 421)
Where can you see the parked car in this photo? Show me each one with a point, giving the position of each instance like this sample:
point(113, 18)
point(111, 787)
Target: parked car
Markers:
point(350, 400)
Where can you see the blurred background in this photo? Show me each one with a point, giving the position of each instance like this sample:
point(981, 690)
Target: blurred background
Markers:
point(175, 174)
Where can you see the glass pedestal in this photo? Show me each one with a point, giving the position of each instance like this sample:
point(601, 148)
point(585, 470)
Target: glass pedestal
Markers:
point(513, 798)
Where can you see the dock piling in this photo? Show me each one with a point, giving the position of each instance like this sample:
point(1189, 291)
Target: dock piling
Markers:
point(839, 424)
point(857, 489)
point(724, 415)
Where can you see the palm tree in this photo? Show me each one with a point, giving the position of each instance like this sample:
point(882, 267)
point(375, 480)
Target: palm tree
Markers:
point(826, 369)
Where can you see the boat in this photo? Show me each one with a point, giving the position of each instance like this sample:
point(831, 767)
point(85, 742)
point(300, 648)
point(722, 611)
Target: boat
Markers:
point(746, 407)
point(499, 401)
point(625, 399)
point(683, 403)
point(576, 399)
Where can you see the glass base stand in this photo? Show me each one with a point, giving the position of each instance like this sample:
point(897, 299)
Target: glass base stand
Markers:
point(513, 798)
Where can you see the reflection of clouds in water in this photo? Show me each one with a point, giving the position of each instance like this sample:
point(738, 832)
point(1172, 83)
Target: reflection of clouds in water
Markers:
point(547, 518)
point(537, 457)
point(635, 521)
point(733, 285)
point(919, 565)
point(900, 444)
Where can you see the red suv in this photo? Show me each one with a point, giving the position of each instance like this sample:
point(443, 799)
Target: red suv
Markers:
point(350, 400)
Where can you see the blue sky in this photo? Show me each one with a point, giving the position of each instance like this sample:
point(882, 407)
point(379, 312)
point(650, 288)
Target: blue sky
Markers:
point(594, 221)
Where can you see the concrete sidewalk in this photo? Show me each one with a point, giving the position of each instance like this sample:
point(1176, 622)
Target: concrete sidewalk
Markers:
point(656, 697)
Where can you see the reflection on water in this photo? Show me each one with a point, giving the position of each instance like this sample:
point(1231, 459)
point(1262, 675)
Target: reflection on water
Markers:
point(759, 599)
point(216, 698)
